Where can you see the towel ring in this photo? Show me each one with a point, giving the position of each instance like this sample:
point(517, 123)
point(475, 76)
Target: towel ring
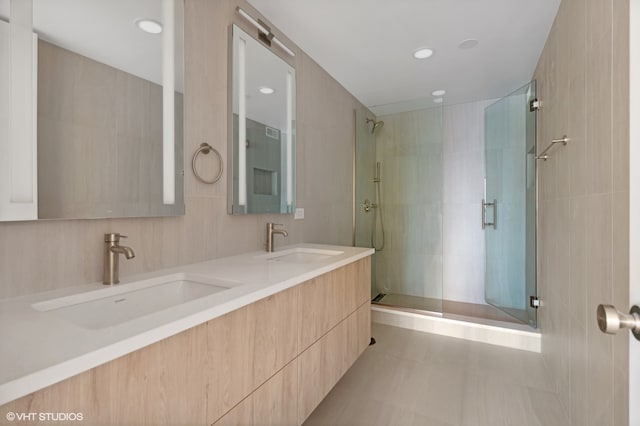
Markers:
point(205, 148)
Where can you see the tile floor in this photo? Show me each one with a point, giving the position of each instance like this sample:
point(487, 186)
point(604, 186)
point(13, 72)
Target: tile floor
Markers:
point(413, 378)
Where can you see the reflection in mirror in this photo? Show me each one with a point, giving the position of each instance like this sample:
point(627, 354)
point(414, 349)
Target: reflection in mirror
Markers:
point(109, 108)
point(262, 140)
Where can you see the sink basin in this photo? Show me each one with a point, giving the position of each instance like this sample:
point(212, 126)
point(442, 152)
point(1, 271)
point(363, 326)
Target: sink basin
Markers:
point(111, 306)
point(301, 255)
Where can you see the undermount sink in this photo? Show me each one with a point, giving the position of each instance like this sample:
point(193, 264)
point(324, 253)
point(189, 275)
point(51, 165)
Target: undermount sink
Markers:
point(111, 306)
point(301, 255)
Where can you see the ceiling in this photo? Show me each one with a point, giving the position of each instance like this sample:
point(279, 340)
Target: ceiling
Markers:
point(368, 45)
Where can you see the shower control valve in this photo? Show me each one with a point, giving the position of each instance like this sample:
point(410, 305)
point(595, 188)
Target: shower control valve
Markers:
point(368, 205)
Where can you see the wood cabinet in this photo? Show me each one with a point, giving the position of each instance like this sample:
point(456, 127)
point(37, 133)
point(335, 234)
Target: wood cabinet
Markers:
point(324, 362)
point(268, 363)
point(291, 395)
point(247, 346)
point(159, 384)
point(328, 299)
point(275, 403)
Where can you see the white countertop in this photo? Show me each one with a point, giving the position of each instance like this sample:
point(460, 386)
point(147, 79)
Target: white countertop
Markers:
point(39, 349)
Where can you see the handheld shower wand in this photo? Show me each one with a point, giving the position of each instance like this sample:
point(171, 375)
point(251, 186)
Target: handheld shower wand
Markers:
point(377, 213)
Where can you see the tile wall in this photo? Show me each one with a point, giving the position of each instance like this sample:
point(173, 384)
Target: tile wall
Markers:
point(464, 171)
point(583, 77)
point(432, 185)
point(410, 150)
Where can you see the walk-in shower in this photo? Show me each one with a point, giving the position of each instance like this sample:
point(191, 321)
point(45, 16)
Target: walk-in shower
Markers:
point(453, 212)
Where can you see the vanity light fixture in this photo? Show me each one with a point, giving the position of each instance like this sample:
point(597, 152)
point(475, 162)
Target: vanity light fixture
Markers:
point(439, 92)
point(289, 141)
point(168, 102)
point(242, 120)
point(149, 26)
point(265, 31)
point(21, 145)
point(266, 90)
point(423, 53)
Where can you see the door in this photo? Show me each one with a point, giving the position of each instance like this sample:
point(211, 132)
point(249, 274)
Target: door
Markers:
point(509, 204)
point(634, 203)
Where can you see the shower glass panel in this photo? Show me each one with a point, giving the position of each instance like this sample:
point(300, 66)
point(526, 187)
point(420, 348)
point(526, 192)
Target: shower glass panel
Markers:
point(365, 159)
point(398, 206)
point(509, 205)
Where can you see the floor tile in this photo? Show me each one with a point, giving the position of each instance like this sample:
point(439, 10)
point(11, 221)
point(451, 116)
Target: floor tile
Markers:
point(414, 378)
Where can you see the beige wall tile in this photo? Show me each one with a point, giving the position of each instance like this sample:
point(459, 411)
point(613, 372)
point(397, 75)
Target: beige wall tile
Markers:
point(596, 164)
point(599, 19)
point(576, 150)
point(620, 96)
point(620, 298)
point(599, 85)
point(430, 169)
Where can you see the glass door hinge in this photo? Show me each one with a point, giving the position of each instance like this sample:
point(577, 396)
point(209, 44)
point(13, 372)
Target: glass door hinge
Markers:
point(534, 105)
point(534, 302)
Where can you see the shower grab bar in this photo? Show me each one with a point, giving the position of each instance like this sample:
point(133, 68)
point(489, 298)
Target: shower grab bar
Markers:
point(544, 156)
point(494, 204)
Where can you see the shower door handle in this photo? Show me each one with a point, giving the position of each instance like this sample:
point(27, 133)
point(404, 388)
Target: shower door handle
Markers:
point(494, 204)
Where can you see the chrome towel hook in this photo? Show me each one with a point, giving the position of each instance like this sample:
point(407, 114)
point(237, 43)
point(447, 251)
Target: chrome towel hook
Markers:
point(205, 148)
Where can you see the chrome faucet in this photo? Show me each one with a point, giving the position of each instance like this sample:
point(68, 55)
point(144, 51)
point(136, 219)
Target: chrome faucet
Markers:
point(271, 231)
point(112, 252)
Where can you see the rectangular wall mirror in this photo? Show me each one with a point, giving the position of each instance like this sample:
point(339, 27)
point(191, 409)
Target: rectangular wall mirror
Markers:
point(107, 96)
point(262, 129)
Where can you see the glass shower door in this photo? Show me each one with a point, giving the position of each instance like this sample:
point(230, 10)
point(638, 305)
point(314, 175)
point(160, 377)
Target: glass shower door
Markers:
point(398, 203)
point(509, 204)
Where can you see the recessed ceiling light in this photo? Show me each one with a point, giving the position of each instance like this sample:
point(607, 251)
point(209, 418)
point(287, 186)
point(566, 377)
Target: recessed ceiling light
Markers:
point(469, 43)
point(266, 90)
point(149, 26)
point(439, 92)
point(438, 100)
point(423, 53)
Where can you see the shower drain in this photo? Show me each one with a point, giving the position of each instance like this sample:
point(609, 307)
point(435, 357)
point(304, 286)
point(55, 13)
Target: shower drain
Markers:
point(378, 298)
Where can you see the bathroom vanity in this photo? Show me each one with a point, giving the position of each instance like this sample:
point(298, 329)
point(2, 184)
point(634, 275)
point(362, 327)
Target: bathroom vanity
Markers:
point(264, 347)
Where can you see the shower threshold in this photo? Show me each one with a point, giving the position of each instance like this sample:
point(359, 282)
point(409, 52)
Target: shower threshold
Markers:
point(470, 312)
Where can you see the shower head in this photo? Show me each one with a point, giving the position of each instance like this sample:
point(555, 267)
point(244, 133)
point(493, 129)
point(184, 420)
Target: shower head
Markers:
point(376, 124)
